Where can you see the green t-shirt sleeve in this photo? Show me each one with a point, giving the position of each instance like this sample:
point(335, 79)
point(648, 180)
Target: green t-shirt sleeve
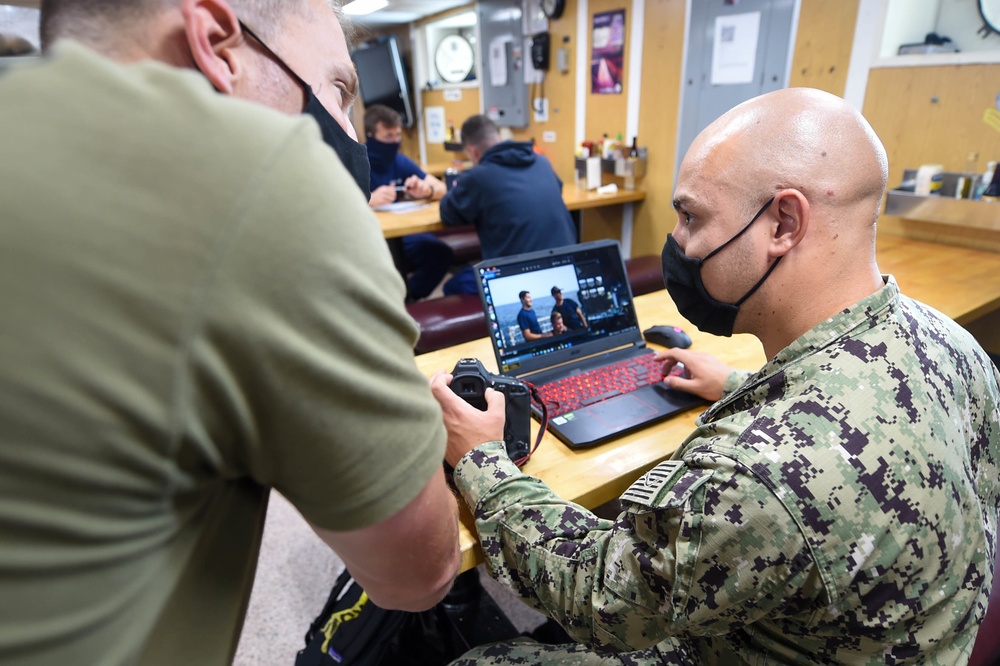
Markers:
point(302, 369)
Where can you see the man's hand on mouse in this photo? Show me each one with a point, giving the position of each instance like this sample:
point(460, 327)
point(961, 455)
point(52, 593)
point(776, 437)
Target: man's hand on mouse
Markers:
point(467, 426)
point(706, 375)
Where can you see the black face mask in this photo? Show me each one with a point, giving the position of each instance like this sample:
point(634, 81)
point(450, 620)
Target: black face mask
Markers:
point(354, 155)
point(682, 276)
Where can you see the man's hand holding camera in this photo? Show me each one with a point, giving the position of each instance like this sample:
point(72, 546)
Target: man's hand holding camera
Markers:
point(468, 427)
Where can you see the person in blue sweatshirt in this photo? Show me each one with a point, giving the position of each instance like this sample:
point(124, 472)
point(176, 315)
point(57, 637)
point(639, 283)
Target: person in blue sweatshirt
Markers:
point(425, 257)
point(512, 196)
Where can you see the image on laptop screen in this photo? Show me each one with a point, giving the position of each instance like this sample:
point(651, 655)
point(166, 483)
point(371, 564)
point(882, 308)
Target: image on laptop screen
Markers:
point(591, 277)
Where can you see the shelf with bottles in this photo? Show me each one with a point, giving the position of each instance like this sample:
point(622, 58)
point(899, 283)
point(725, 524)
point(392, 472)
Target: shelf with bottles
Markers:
point(942, 207)
point(634, 167)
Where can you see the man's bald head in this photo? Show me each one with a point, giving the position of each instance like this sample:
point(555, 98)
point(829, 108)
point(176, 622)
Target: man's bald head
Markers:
point(797, 138)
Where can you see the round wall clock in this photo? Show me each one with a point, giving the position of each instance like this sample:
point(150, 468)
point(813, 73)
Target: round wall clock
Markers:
point(990, 11)
point(553, 9)
point(453, 58)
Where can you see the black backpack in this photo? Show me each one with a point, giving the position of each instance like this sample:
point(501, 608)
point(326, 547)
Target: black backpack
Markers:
point(353, 631)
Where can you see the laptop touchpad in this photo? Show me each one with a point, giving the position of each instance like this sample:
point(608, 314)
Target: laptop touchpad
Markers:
point(623, 410)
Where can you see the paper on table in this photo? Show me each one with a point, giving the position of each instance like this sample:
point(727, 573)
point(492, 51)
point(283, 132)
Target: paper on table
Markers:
point(401, 207)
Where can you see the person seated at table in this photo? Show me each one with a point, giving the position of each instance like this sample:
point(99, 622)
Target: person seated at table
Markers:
point(839, 505)
point(558, 326)
point(384, 136)
point(512, 196)
point(569, 309)
point(426, 258)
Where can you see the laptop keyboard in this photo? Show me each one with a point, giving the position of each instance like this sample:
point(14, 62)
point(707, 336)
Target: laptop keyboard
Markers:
point(587, 388)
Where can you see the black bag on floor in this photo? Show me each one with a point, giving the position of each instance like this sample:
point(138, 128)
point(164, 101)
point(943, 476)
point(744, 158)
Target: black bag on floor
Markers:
point(353, 631)
point(350, 630)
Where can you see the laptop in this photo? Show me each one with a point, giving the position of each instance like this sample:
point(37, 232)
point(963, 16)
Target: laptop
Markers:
point(597, 379)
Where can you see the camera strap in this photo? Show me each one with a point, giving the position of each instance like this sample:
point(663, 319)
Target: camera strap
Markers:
point(544, 423)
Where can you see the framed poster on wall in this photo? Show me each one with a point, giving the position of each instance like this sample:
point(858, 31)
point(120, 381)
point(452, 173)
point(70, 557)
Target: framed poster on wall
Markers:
point(607, 51)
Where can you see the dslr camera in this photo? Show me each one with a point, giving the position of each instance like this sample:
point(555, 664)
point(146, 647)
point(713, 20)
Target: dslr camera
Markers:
point(470, 381)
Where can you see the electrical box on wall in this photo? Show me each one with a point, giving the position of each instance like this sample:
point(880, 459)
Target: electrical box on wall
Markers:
point(502, 52)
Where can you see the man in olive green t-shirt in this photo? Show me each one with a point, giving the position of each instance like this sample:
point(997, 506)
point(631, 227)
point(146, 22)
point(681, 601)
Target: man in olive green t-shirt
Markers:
point(198, 306)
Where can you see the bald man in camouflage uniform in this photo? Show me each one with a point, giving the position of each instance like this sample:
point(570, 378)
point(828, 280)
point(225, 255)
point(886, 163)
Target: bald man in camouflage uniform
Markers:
point(838, 505)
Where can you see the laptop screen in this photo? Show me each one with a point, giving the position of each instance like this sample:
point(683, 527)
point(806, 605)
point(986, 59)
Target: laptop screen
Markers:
point(596, 312)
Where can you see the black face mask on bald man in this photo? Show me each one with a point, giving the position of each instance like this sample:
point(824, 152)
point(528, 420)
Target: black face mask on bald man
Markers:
point(352, 154)
point(682, 276)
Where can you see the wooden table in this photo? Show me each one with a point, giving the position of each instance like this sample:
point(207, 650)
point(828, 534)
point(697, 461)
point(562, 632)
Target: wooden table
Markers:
point(428, 218)
point(962, 283)
point(437, 169)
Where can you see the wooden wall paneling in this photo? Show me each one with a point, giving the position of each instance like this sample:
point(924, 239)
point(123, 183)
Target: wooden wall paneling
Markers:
point(823, 45)
point(659, 114)
point(456, 112)
point(601, 223)
point(934, 115)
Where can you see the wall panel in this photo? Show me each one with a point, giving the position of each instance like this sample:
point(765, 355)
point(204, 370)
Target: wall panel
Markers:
point(659, 109)
point(935, 115)
point(823, 45)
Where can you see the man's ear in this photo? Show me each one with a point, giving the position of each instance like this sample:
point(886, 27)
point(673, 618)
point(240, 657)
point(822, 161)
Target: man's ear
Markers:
point(792, 221)
point(213, 32)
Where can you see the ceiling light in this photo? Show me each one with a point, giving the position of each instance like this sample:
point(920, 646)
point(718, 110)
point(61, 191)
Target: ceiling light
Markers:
point(362, 7)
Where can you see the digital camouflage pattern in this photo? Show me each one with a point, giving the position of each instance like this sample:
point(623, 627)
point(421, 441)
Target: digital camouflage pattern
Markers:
point(839, 505)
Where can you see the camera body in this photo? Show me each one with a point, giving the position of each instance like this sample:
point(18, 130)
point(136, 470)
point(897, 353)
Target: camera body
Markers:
point(470, 381)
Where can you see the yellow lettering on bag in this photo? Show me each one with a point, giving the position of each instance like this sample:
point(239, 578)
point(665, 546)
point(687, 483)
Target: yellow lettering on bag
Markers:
point(340, 617)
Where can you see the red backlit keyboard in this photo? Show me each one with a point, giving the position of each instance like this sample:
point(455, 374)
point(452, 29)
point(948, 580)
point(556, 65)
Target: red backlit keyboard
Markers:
point(586, 388)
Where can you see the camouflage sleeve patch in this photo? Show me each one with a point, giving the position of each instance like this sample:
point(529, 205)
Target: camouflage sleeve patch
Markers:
point(668, 485)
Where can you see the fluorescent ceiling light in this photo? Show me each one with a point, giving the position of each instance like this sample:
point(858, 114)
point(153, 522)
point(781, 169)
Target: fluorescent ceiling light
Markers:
point(362, 7)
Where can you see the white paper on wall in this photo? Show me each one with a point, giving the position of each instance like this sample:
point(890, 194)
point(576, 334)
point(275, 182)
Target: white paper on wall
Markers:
point(734, 48)
point(434, 120)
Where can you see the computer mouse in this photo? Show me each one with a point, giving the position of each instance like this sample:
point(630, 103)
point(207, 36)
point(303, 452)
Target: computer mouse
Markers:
point(667, 336)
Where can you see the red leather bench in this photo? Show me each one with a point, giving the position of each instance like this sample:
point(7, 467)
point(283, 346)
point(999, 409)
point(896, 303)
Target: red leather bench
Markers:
point(464, 244)
point(447, 321)
point(645, 274)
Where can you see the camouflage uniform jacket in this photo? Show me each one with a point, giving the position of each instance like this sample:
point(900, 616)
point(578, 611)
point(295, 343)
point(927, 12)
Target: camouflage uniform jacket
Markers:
point(839, 505)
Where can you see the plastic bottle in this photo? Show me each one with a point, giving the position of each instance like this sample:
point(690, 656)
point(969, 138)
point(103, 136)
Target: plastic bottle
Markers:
point(929, 177)
point(992, 191)
point(984, 180)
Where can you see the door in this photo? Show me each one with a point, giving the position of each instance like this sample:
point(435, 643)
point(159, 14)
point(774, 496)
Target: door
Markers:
point(752, 56)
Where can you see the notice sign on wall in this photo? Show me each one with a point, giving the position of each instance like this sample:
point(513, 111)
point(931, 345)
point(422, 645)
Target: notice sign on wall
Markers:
point(734, 49)
point(434, 119)
point(607, 53)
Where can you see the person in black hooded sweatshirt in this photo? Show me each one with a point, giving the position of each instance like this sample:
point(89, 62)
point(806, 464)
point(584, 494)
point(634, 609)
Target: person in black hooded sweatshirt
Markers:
point(512, 196)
